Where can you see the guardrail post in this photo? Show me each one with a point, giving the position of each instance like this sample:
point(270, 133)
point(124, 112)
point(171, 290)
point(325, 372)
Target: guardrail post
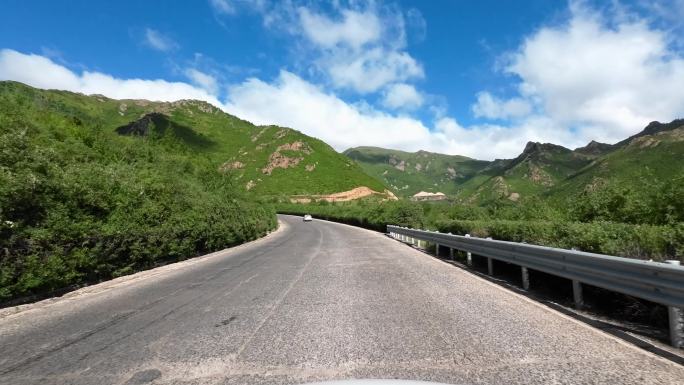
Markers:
point(451, 251)
point(437, 249)
point(676, 318)
point(643, 286)
point(469, 256)
point(577, 294)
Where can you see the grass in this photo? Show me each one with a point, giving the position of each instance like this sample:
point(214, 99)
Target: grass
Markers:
point(423, 171)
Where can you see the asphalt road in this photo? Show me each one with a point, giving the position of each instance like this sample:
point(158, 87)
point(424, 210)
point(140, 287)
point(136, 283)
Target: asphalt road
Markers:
point(313, 301)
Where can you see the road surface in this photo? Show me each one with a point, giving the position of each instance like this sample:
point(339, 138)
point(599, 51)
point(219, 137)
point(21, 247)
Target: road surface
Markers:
point(313, 301)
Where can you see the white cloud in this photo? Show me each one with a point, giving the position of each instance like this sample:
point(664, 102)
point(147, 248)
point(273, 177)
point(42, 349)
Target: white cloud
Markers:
point(417, 24)
point(223, 6)
point(371, 70)
point(41, 72)
point(355, 29)
point(402, 95)
point(490, 107)
point(497, 141)
point(35, 70)
point(294, 102)
point(156, 40)
point(359, 49)
point(590, 78)
point(605, 77)
point(202, 80)
point(356, 45)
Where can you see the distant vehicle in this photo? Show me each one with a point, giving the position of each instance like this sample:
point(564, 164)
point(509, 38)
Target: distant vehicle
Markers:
point(307, 218)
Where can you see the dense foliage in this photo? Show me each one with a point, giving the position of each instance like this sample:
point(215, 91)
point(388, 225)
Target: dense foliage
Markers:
point(658, 202)
point(625, 199)
point(407, 173)
point(93, 188)
point(80, 203)
point(607, 221)
point(636, 165)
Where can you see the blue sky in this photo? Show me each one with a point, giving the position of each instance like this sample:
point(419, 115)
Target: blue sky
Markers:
point(473, 78)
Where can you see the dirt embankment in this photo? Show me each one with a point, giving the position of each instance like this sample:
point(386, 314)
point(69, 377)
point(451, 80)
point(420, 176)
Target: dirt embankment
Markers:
point(344, 196)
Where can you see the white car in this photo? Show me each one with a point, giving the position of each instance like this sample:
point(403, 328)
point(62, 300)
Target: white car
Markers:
point(307, 218)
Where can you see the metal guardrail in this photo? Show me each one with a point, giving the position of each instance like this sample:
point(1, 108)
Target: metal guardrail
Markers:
point(654, 281)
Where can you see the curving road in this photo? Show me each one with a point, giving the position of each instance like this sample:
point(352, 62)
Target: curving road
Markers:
point(313, 301)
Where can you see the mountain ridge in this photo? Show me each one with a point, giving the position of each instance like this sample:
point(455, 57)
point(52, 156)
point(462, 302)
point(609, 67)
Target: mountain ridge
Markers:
point(264, 160)
point(538, 169)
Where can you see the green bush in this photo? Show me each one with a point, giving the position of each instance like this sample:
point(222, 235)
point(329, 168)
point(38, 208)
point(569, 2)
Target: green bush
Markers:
point(653, 202)
point(620, 239)
point(79, 205)
point(644, 241)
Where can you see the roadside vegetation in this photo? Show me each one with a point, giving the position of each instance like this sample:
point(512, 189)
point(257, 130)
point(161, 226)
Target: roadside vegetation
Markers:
point(81, 203)
point(93, 188)
point(624, 199)
point(614, 220)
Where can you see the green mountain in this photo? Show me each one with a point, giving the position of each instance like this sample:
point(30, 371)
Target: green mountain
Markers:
point(264, 160)
point(539, 167)
point(542, 169)
point(93, 188)
point(595, 148)
point(407, 173)
point(640, 163)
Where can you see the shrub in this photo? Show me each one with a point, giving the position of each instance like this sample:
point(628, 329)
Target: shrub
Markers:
point(642, 241)
point(91, 206)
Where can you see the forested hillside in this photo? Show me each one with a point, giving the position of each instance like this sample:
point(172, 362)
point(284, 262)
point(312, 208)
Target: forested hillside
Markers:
point(407, 173)
point(93, 188)
point(636, 166)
